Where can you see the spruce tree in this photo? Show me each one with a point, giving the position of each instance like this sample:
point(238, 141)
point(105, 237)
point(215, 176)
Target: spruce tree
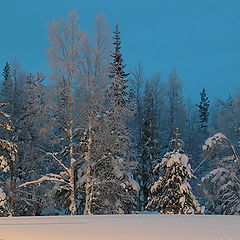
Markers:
point(149, 143)
point(203, 109)
point(7, 87)
point(114, 190)
point(118, 89)
point(118, 109)
point(172, 193)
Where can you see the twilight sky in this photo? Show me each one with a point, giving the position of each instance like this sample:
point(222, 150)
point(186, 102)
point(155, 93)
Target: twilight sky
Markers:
point(200, 37)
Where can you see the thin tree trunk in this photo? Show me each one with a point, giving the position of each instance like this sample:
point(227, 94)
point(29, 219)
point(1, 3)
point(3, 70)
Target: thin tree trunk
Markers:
point(13, 184)
point(91, 101)
point(72, 207)
point(87, 210)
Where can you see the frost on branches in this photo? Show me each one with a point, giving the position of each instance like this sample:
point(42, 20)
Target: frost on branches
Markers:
point(172, 193)
point(3, 203)
point(7, 163)
point(222, 184)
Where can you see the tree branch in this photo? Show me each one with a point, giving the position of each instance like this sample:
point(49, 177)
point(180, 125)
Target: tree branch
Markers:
point(42, 179)
point(56, 159)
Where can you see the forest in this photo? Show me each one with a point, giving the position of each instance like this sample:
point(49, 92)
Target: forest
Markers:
point(94, 138)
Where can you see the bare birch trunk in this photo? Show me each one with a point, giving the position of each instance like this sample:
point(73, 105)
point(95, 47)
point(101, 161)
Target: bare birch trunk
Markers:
point(72, 207)
point(87, 210)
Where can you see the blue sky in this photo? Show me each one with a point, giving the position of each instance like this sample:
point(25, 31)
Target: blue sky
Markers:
point(200, 37)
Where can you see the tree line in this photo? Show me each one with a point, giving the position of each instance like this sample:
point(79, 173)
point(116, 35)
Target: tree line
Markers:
point(91, 138)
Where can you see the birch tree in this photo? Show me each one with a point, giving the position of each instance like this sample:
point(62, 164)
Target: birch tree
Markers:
point(64, 56)
point(94, 77)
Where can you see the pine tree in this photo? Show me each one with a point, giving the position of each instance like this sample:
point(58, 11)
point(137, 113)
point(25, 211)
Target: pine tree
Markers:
point(172, 193)
point(203, 109)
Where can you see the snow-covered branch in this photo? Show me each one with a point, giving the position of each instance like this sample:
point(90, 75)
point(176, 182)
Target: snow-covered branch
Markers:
point(42, 179)
point(56, 159)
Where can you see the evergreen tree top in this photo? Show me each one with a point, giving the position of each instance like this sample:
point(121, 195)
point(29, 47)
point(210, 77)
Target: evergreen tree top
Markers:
point(117, 64)
point(204, 99)
point(203, 107)
point(6, 71)
point(176, 143)
point(116, 38)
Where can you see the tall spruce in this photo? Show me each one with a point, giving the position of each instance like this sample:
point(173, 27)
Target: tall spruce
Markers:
point(117, 104)
point(113, 178)
point(118, 88)
point(203, 109)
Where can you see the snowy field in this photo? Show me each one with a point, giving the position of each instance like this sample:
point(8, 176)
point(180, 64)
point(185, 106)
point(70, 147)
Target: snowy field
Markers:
point(133, 227)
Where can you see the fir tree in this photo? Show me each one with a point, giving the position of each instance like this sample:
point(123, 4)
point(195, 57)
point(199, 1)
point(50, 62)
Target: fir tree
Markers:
point(172, 193)
point(203, 109)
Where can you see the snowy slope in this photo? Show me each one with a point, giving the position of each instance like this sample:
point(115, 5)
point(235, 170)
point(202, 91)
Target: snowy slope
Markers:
point(133, 227)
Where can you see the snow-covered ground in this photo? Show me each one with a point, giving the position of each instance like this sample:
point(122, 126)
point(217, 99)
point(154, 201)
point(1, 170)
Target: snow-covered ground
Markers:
point(132, 227)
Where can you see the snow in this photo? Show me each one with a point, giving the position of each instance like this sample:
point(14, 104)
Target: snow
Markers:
point(184, 160)
point(185, 187)
point(2, 197)
point(175, 158)
point(213, 140)
point(117, 172)
point(119, 227)
point(213, 172)
point(3, 164)
point(133, 184)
